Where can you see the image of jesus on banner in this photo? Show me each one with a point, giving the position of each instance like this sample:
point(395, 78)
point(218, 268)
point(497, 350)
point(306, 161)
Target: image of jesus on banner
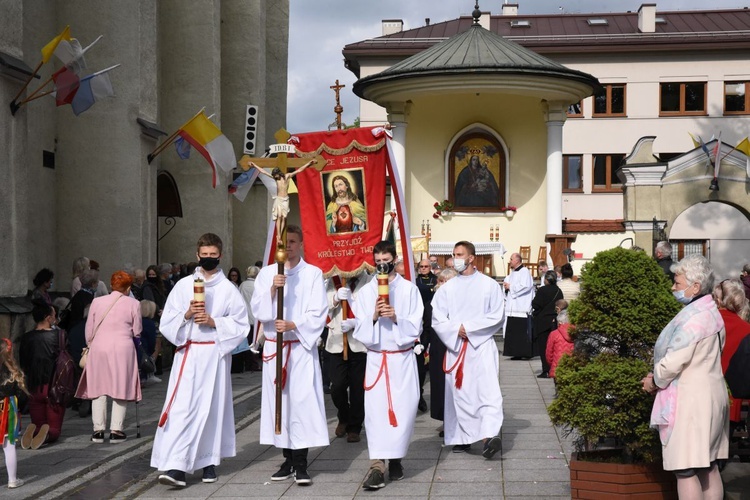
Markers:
point(345, 213)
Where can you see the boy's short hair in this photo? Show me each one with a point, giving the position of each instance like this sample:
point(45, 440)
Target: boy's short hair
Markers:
point(385, 247)
point(210, 240)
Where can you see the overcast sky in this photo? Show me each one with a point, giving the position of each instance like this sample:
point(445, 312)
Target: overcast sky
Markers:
point(319, 30)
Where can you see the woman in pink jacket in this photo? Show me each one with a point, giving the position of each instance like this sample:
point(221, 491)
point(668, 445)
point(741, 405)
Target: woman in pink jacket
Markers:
point(559, 342)
point(112, 365)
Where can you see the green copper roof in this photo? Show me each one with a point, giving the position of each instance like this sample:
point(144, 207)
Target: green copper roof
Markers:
point(475, 51)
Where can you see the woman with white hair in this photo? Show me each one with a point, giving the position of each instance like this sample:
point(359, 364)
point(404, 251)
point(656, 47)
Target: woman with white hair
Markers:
point(691, 409)
point(735, 311)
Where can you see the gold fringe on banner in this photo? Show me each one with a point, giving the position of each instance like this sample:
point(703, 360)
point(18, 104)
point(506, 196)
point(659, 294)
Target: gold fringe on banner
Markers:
point(349, 274)
point(343, 151)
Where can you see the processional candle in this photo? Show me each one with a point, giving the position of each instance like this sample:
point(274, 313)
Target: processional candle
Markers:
point(199, 290)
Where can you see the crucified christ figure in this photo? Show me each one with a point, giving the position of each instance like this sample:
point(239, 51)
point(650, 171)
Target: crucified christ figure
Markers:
point(281, 200)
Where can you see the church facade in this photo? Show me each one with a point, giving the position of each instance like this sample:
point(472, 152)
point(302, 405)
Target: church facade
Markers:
point(81, 185)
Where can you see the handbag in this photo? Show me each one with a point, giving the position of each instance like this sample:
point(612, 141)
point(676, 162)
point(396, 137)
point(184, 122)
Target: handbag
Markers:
point(85, 350)
point(62, 387)
point(145, 362)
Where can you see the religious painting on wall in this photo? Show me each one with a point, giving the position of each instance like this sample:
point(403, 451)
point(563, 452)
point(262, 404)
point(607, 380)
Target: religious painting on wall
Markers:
point(476, 174)
point(345, 207)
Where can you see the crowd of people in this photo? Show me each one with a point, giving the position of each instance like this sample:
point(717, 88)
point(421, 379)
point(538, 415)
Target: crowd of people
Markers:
point(370, 350)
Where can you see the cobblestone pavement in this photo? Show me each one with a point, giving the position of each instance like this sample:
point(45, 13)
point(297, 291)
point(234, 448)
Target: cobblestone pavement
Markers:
point(533, 462)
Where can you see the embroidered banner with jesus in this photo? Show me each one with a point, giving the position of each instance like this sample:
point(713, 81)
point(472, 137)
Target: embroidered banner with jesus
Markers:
point(342, 206)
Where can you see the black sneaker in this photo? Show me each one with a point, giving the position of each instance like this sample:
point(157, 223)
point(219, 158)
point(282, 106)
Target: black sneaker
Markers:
point(285, 472)
point(491, 446)
point(97, 437)
point(422, 405)
point(461, 448)
point(395, 470)
point(209, 474)
point(117, 437)
point(173, 477)
point(301, 476)
point(374, 480)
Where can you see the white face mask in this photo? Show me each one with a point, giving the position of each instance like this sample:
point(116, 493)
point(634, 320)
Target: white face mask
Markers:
point(459, 264)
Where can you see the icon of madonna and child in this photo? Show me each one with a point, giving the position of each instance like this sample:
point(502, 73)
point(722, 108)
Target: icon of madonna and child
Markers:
point(476, 185)
point(345, 212)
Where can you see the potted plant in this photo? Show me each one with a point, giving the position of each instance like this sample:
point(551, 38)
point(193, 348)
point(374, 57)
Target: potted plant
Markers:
point(510, 211)
point(624, 304)
point(442, 209)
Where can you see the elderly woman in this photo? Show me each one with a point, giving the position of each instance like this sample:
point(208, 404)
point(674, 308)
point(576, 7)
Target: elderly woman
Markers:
point(543, 311)
point(691, 408)
point(112, 365)
point(733, 307)
point(435, 366)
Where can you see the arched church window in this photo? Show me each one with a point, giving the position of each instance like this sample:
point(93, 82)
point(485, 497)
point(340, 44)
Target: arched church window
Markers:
point(476, 180)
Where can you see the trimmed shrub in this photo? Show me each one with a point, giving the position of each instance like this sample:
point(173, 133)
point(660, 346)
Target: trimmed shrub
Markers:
point(624, 304)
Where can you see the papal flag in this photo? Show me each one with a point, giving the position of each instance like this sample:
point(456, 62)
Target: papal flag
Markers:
point(207, 139)
point(50, 48)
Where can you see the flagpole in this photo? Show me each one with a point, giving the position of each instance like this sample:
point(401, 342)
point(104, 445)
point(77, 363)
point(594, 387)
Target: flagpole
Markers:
point(38, 96)
point(13, 106)
point(170, 139)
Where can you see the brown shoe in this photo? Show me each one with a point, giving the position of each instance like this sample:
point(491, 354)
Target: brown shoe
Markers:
point(353, 437)
point(28, 434)
point(40, 438)
point(340, 430)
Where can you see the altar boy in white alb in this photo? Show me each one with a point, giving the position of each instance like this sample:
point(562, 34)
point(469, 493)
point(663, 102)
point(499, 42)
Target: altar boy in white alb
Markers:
point(466, 312)
point(196, 428)
point(389, 329)
point(305, 313)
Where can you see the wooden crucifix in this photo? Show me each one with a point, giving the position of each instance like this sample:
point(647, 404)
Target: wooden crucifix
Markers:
point(338, 109)
point(281, 163)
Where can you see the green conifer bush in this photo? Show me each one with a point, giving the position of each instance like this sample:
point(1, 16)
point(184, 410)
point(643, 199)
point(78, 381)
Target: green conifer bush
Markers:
point(624, 304)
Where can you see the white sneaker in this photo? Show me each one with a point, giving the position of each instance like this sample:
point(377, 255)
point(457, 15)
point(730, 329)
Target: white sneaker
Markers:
point(15, 484)
point(155, 378)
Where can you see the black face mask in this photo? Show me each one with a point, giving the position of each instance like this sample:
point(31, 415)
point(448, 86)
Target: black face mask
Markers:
point(153, 279)
point(386, 267)
point(208, 263)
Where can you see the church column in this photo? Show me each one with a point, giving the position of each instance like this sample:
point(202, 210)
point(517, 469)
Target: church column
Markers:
point(554, 116)
point(397, 116)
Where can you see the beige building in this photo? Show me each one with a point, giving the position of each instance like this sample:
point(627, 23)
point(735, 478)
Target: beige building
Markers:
point(662, 74)
point(81, 185)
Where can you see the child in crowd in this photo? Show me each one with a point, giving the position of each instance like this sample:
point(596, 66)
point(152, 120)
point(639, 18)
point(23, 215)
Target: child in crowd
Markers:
point(559, 341)
point(11, 384)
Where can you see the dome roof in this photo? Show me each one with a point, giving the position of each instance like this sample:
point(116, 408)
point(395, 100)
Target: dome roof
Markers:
point(478, 52)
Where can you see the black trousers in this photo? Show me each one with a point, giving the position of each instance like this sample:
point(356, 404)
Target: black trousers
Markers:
point(541, 348)
point(437, 376)
point(298, 458)
point(424, 339)
point(347, 388)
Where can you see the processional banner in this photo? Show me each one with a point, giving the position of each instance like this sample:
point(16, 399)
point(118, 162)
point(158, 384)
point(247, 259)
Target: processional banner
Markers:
point(342, 206)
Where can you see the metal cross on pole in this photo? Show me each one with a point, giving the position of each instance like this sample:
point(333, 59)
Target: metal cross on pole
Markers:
point(283, 163)
point(338, 109)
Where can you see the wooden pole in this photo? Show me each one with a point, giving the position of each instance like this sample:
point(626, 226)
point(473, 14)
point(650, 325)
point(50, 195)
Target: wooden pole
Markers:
point(280, 261)
point(31, 77)
point(344, 313)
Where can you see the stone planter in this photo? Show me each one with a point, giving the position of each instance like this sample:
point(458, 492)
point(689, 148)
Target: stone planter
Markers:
point(510, 213)
point(609, 480)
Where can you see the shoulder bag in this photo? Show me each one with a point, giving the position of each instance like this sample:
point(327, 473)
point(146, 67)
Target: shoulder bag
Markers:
point(85, 351)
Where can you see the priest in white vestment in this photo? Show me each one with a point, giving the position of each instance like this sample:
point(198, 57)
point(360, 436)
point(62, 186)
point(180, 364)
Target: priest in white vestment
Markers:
point(389, 329)
point(303, 418)
point(519, 292)
point(196, 428)
point(467, 312)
